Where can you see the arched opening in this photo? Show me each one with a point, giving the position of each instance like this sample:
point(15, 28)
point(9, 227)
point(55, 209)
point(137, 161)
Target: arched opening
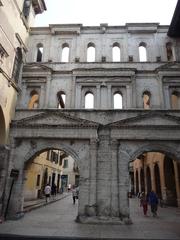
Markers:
point(146, 100)
point(142, 52)
point(157, 181)
point(171, 197)
point(89, 100)
point(34, 100)
point(65, 53)
point(91, 52)
point(169, 51)
point(118, 101)
point(39, 57)
point(158, 172)
point(175, 100)
point(2, 127)
point(53, 167)
point(116, 53)
point(61, 97)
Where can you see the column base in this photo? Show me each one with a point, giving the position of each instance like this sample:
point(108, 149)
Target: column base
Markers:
point(103, 220)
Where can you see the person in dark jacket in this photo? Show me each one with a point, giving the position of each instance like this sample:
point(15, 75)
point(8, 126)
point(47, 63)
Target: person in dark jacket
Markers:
point(153, 201)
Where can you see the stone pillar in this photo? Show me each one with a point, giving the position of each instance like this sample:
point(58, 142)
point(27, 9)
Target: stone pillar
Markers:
point(123, 184)
point(114, 178)
point(177, 181)
point(104, 174)
point(129, 96)
point(162, 180)
point(48, 85)
point(109, 103)
point(153, 184)
point(98, 97)
point(93, 169)
point(167, 98)
point(4, 154)
point(78, 97)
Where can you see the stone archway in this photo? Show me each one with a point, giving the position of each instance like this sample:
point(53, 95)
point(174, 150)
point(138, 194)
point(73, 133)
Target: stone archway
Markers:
point(129, 151)
point(28, 149)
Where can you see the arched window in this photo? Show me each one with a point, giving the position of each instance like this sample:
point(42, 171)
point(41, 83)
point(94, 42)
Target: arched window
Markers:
point(142, 52)
point(116, 53)
point(169, 51)
point(175, 100)
point(91, 52)
point(146, 100)
point(89, 100)
point(65, 53)
point(61, 96)
point(17, 65)
point(117, 100)
point(34, 100)
point(39, 57)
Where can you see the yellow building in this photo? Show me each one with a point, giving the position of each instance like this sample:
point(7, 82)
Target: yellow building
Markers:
point(158, 172)
point(45, 168)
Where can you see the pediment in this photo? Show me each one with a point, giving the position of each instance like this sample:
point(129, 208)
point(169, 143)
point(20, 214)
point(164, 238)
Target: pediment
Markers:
point(169, 66)
point(36, 67)
point(149, 119)
point(50, 119)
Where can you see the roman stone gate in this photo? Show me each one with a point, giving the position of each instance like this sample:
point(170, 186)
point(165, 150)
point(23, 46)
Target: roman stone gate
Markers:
point(103, 111)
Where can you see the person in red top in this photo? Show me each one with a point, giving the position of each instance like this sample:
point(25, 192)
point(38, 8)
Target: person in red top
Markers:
point(144, 203)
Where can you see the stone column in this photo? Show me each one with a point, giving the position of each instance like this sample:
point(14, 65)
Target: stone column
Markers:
point(167, 97)
point(93, 169)
point(153, 184)
point(176, 176)
point(78, 97)
point(162, 180)
point(129, 96)
point(48, 86)
point(123, 183)
point(104, 174)
point(139, 179)
point(109, 103)
point(98, 97)
point(4, 154)
point(114, 178)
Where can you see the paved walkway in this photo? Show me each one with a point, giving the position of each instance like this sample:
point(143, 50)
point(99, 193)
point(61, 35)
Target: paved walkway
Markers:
point(57, 219)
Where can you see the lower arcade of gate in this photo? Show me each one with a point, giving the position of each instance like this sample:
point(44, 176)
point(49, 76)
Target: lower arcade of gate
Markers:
point(104, 156)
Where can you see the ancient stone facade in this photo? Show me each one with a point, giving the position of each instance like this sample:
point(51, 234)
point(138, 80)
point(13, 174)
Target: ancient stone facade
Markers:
point(102, 140)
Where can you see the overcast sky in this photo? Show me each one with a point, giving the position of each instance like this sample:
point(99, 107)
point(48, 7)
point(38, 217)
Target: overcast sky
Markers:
point(113, 12)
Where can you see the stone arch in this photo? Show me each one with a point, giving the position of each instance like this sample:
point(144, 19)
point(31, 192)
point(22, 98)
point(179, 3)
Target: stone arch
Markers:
point(47, 146)
point(167, 149)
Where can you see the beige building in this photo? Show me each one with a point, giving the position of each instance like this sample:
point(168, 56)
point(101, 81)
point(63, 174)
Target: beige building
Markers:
point(14, 32)
point(16, 17)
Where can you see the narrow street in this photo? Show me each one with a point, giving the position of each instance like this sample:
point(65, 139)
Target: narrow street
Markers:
point(57, 219)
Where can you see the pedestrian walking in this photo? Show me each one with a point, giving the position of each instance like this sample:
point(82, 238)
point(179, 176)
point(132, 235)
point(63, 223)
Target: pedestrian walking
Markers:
point(47, 192)
point(54, 190)
point(74, 194)
point(153, 201)
point(144, 203)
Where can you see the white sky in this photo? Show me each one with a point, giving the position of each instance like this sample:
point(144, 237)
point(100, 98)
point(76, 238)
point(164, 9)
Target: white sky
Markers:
point(113, 12)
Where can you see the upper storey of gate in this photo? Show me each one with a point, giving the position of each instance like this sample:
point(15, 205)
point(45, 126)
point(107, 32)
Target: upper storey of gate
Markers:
point(77, 43)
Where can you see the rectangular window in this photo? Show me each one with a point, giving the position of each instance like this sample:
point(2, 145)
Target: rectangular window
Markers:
point(38, 180)
point(65, 163)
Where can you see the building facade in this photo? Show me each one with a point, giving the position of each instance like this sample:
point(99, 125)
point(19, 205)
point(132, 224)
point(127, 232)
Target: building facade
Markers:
point(14, 32)
point(104, 95)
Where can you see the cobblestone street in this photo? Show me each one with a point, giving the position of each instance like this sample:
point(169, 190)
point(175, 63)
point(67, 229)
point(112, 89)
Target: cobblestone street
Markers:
point(57, 219)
